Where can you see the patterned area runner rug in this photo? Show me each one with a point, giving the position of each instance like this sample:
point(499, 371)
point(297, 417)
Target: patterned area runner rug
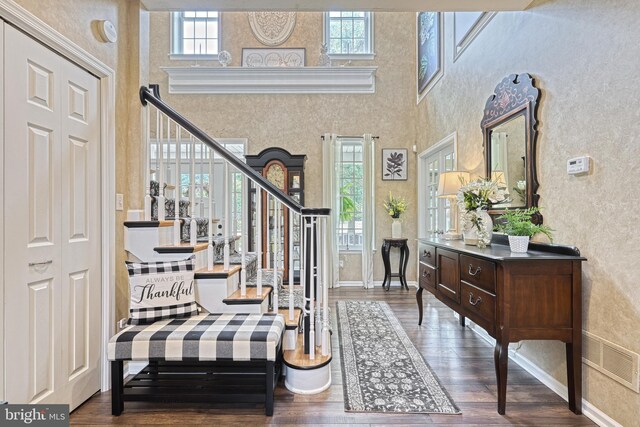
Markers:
point(382, 371)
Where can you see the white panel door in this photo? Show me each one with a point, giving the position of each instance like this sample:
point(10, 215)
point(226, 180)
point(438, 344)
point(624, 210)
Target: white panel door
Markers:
point(436, 218)
point(51, 225)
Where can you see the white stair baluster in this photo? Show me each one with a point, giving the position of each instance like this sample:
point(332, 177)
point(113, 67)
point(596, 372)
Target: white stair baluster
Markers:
point(147, 164)
point(276, 252)
point(244, 231)
point(210, 220)
point(258, 238)
point(303, 269)
point(202, 166)
point(176, 196)
point(268, 236)
point(227, 213)
point(161, 179)
point(193, 227)
point(325, 287)
point(312, 314)
point(291, 302)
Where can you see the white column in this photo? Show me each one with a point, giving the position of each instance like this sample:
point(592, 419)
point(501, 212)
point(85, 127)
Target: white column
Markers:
point(312, 314)
point(147, 161)
point(244, 232)
point(210, 220)
point(291, 269)
point(161, 179)
point(325, 288)
point(193, 227)
point(225, 185)
point(258, 238)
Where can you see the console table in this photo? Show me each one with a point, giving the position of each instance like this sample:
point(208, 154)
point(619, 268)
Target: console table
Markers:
point(387, 244)
point(532, 296)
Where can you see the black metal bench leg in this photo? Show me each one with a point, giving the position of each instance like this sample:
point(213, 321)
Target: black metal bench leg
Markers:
point(269, 383)
point(117, 387)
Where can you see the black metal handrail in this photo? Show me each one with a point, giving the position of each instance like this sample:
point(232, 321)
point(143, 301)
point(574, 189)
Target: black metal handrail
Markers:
point(151, 95)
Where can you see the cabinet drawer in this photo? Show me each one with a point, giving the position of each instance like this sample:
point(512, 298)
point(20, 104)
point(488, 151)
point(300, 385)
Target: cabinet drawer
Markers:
point(479, 306)
point(478, 272)
point(427, 254)
point(427, 277)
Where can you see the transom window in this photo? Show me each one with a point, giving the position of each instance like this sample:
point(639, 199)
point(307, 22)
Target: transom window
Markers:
point(351, 185)
point(349, 34)
point(196, 34)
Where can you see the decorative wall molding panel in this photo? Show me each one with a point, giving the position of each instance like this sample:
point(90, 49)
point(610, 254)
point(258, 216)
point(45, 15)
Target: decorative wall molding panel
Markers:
point(216, 80)
point(272, 28)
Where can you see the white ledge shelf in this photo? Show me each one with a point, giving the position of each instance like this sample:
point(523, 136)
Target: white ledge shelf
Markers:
point(232, 80)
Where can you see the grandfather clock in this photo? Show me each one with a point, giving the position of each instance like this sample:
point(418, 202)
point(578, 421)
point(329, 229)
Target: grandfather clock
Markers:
point(285, 171)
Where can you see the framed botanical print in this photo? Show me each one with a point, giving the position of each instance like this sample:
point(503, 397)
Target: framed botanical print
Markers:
point(394, 164)
point(429, 51)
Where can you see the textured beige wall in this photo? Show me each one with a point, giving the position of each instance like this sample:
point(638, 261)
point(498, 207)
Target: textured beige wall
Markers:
point(584, 56)
point(75, 20)
point(295, 122)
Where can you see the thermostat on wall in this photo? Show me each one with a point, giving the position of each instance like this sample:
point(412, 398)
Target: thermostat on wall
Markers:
point(578, 165)
point(107, 31)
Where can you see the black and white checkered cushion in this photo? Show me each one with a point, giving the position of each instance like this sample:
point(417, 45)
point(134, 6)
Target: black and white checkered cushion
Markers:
point(227, 336)
point(161, 290)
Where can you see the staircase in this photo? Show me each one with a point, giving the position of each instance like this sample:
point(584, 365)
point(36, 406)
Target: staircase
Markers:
point(179, 222)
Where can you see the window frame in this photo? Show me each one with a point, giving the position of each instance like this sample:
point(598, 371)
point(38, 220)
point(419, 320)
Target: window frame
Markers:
point(369, 37)
point(339, 230)
point(176, 37)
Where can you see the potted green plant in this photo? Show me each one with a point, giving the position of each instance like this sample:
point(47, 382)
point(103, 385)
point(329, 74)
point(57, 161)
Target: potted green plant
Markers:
point(518, 226)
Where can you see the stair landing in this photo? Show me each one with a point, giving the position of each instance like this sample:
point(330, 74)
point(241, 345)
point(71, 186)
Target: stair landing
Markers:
point(297, 359)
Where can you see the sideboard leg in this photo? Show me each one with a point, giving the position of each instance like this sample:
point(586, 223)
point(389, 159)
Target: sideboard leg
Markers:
point(574, 376)
point(501, 359)
point(462, 320)
point(419, 299)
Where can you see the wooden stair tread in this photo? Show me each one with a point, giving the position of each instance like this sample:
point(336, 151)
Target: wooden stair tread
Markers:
point(252, 296)
point(148, 224)
point(297, 359)
point(218, 271)
point(183, 247)
point(291, 324)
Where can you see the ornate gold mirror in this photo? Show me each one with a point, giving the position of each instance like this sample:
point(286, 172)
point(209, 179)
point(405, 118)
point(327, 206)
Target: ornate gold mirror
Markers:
point(510, 136)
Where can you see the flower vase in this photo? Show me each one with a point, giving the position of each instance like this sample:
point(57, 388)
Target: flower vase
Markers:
point(396, 228)
point(477, 229)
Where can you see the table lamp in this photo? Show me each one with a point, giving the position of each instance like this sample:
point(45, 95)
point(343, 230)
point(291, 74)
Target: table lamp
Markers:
point(448, 187)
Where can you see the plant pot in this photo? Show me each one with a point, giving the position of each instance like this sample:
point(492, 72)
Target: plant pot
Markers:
point(519, 244)
point(396, 228)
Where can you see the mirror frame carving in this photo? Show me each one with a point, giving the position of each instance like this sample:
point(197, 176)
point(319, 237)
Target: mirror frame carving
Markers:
point(515, 95)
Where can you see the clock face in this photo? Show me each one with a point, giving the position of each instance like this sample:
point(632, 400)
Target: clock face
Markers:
point(275, 174)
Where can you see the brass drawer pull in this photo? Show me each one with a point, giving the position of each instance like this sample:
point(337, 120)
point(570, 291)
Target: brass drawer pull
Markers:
point(478, 270)
point(426, 274)
point(426, 254)
point(478, 301)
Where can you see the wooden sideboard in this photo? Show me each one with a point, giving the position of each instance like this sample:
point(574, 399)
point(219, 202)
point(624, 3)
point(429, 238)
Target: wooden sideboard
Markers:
point(514, 297)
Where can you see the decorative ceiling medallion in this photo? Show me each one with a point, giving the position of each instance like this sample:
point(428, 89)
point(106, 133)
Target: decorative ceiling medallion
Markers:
point(272, 28)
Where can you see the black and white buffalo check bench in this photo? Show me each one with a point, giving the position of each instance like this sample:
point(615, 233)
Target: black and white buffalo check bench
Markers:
point(207, 358)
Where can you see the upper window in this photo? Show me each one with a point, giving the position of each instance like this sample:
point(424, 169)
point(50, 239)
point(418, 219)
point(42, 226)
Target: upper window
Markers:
point(349, 35)
point(195, 34)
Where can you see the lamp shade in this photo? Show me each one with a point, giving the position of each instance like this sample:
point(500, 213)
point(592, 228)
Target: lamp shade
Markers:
point(450, 183)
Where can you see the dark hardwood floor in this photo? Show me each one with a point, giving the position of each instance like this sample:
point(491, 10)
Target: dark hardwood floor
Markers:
point(462, 361)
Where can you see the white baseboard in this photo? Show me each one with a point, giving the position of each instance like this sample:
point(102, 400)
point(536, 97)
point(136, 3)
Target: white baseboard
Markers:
point(588, 410)
point(376, 283)
point(134, 368)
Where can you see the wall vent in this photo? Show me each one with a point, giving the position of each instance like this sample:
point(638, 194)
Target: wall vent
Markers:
point(612, 360)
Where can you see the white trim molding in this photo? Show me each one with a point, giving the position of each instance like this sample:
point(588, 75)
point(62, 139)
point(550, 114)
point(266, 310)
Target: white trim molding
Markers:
point(459, 46)
point(588, 409)
point(242, 80)
point(22, 19)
